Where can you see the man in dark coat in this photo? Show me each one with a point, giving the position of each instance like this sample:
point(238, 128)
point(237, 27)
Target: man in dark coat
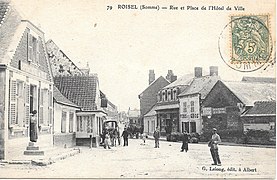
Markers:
point(185, 139)
point(125, 135)
point(157, 137)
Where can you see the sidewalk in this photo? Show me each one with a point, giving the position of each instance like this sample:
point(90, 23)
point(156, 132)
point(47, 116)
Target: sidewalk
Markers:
point(225, 143)
point(51, 155)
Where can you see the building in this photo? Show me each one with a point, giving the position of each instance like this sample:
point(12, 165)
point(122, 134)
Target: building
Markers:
point(109, 108)
point(133, 117)
point(148, 98)
point(227, 101)
point(26, 84)
point(84, 91)
point(262, 116)
point(150, 121)
point(191, 99)
point(65, 119)
point(168, 105)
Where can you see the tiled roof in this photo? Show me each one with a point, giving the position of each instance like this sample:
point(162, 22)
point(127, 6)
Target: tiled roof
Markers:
point(262, 108)
point(259, 79)
point(61, 99)
point(202, 85)
point(60, 62)
point(9, 22)
point(81, 90)
point(249, 93)
point(182, 81)
point(4, 8)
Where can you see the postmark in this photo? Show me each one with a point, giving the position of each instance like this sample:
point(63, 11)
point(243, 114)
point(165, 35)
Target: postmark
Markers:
point(245, 43)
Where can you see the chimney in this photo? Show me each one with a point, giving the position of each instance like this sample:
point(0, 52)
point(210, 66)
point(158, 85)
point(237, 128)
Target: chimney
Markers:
point(213, 70)
point(170, 76)
point(151, 76)
point(197, 72)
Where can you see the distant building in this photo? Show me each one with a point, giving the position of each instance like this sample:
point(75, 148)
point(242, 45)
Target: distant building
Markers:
point(191, 99)
point(133, 116)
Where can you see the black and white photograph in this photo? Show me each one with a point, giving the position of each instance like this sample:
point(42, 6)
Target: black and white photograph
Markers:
point(137, 89)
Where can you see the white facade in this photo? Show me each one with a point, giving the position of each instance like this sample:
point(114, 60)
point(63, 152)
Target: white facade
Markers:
point(190, 113)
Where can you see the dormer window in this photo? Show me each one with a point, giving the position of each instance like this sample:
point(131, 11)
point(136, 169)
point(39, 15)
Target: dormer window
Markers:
point(165, 95)
point(169, 95)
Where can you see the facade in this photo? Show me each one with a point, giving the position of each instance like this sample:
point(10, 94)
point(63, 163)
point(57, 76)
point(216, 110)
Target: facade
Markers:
point(262, 116)
point(150, 121)
point(65, 119)
point(168, 105)
point(227, 101)
point(26, 84)
point(191, 99)
point(84, 91)
point(109, 108)
point(133, 116)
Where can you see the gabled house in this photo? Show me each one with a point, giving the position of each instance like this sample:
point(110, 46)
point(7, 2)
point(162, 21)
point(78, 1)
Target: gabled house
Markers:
point(227, 101)
point(167, 107)
point(84, 91)
point(65, 118)
point(26, 84)
point(191, 99)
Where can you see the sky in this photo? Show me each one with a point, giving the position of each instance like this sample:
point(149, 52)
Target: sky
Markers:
point(121, 46)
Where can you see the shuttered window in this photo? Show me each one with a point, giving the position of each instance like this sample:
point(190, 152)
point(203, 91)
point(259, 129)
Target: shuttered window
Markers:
point(41, 114)
point(27, 103)
point(12, 107)
point(50, 107)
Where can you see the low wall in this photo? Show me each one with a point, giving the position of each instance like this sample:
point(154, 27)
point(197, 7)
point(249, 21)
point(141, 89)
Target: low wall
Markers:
point(65, 139)
point(87, 141)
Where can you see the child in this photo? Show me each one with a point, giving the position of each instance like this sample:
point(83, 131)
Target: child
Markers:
point(143, 138)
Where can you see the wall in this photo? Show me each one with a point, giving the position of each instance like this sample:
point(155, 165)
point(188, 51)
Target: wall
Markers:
point(3, 123)
point(187, 116)
point(65, 139)
point(152, 124)
point(149, 96)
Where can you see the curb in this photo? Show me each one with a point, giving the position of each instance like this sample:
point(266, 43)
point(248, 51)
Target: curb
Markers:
point(43, 162)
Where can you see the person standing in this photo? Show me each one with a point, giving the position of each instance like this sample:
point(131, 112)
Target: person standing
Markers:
point(125, 135)
point(213, 144)
point(107, 141)
point(185, 139)
point(157, 137)
point(33, 127)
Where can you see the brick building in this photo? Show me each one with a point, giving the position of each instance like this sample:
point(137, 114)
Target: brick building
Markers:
point(26, 84)
point(227, 101)
point(148, 98)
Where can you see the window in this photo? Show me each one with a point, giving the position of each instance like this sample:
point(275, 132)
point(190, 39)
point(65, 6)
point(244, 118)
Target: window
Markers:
point(165, 95)
point(71, 116)
point(185, 107)
point(63, 122)
point(171, 95)
point(33, 55)
point(193, 127)
point(192, 106)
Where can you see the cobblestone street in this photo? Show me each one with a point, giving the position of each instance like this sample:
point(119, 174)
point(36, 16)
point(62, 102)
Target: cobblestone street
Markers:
point(144, 161)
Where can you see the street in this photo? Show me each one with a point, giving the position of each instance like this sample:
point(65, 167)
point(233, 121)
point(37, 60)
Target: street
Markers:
point(145, 161)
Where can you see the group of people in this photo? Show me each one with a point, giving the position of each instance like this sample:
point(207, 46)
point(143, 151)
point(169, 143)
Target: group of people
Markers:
point(112, 138)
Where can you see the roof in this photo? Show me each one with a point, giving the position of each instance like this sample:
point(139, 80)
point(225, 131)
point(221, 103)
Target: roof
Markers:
point(61, 64)
point(154, 82)
point(201, 85)
point(9, 23)
point(182, 81)
point(61, 99)
point(262, 108)
point(152, 111)
point(134, 113)
point(81, 90)
point(259, 79)
point(249, 93)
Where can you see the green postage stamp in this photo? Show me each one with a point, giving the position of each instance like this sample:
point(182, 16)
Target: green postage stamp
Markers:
point(250, 40)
